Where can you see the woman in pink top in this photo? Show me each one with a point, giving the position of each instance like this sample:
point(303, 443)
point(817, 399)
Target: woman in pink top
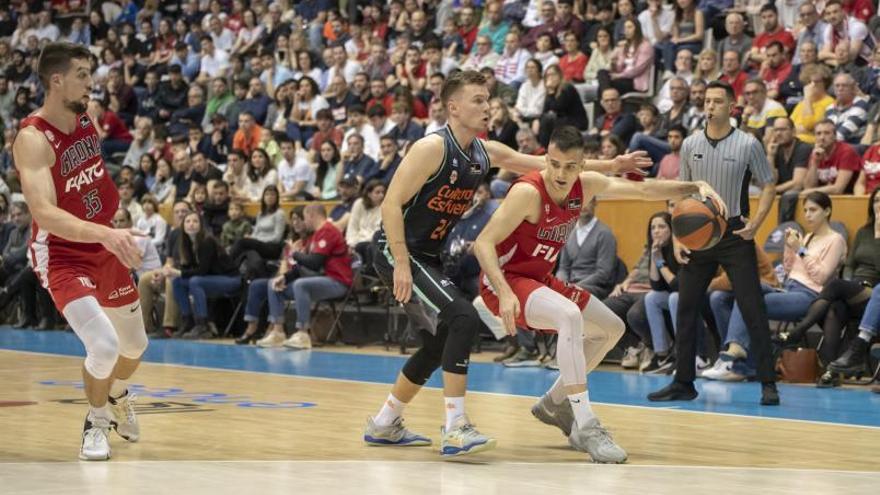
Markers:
point(810, 261)
point(632, 61)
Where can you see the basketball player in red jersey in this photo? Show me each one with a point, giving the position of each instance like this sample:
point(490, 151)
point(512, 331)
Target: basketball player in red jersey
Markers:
point(517, 251)
point(78, 257)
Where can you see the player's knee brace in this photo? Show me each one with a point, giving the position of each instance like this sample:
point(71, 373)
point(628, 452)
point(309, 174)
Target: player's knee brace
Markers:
point(464, 324)
point(96, 332)
point(419, 368)
point(129, 324)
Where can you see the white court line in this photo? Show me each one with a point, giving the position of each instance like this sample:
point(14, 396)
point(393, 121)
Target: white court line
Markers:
point(498, 394)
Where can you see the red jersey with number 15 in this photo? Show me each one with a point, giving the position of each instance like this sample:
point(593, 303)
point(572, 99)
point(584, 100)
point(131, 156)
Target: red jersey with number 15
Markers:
point(531, 249)
point(83, 187)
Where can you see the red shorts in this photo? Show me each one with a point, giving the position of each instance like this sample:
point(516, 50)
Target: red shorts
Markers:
point(72, 274)
point(523, 287)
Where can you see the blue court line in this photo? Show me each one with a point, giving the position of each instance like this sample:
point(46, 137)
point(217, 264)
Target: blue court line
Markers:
point(839, 406)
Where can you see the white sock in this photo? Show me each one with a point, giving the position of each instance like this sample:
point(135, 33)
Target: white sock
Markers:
point(454, 410)
point(119, 388)
point(580, 405)
point(557, 391)
point(866, 336)
point(391, 410)
point(100, 412)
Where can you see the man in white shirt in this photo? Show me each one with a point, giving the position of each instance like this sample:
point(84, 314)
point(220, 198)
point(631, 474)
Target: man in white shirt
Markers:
point(342, 65)
point(215, 62)
point(844, 29)
point(511, 67)
point(223, 37)
point(295, 176)
point(358, 124)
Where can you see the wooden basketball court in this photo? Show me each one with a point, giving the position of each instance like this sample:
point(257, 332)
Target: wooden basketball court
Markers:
point(252, 425)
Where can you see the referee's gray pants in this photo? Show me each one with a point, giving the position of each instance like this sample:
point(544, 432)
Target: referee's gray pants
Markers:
point(737, 256)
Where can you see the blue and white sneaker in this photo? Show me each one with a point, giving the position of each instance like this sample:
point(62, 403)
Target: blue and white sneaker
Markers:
point(464, 439)
point(393, 435)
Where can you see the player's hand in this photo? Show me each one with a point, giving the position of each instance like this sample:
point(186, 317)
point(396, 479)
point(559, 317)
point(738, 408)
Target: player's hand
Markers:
point(682, 253)
point(706, 191)
point(123, 245)
point(402, 282)
point(508, 309)
point(748, 232)
point(632, 162)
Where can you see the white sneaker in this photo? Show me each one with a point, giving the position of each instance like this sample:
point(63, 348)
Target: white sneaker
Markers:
point(299, 340)
point(95, 439)
point(723, 371)
point(631, 358)
point(271, 339)
point(125, 421)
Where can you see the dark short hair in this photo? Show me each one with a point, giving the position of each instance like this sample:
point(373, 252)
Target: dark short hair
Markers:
point(567, 138)
point(825, 121)
point(377, 110)
point(769, 7)
point(455, 82)
point(324, 114)
point(679, 128)
point(775, 44)
point(728, 89)
point(820, 198)
point(55, 58)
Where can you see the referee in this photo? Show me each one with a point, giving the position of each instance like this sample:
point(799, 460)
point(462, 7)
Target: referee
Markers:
point(726, 158)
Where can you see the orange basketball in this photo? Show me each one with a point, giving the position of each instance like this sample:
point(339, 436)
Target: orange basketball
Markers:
point(698, 224)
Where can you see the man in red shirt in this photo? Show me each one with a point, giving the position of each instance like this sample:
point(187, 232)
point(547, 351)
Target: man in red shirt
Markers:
point(326, 130)
point(834, 165)
point(316, 269)
point(113, 132)
point(468, 27)
point(379, 95)
point(773, 31)
point(733, 74)
point(775, 68)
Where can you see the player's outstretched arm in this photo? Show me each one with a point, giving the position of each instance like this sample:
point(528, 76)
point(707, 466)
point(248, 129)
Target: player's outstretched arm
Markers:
point(420, 163)
point(615, 187)
point(33, 158)
point(509, 159)
point(515, 208)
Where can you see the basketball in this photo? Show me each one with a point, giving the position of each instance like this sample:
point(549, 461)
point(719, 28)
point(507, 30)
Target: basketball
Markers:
point(698, 224)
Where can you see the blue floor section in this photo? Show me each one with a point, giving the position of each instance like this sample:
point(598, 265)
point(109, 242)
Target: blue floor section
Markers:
point(855, 407)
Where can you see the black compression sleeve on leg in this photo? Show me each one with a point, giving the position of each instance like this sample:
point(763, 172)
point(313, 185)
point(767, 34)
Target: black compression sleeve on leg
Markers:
point(421, 365)
point(464, 324)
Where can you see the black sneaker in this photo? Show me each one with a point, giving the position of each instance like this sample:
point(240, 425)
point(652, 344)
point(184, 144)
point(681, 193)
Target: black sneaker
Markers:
point(852, 362)
point(829, 379)
point(509, 352)
point(769, 394)
point(674, 391)
point(660, 365)
point(523, 359)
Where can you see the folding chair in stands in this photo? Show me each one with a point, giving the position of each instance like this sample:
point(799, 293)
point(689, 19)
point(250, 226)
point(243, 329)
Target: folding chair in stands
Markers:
point(337, 306)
